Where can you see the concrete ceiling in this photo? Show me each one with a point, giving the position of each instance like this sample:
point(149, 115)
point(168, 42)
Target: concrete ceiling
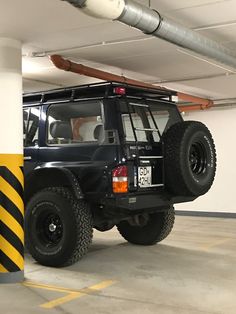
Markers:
point(53, 26)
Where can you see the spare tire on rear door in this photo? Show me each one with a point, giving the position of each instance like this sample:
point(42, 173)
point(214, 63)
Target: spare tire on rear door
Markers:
point(189, 159)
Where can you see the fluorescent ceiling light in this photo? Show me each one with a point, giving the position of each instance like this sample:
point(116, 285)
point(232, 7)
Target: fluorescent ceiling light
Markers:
point(32, 67)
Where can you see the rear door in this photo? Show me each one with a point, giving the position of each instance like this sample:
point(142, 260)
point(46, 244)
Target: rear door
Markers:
point(144, 122)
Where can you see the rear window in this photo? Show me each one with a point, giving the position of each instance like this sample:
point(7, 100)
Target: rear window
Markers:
point(74, 123)
point(145, 121)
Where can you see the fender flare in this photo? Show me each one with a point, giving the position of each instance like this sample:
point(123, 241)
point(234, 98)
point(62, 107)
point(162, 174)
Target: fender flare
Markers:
point(72, 180)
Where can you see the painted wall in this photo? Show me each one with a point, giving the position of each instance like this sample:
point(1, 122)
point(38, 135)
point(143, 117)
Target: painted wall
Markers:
point(222, 196)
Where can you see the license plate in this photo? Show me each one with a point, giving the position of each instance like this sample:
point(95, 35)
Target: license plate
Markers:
point(145, 177)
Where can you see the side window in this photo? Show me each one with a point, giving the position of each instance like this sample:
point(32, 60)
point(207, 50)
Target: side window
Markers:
point(161, 118)
point(138, 124)
point(74, 123)
point(150, 119)
point(31, 126)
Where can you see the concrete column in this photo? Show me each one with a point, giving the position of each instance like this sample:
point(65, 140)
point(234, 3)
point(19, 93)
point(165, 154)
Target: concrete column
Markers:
point(11, 163)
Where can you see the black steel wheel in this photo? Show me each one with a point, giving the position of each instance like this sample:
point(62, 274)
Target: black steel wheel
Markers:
point(152, 228)
point(189, 159)
point(58, 228)
point(198, 158)
point(49, 227)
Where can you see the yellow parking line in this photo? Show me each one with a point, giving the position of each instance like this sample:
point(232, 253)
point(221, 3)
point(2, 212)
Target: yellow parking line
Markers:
point(71, 294)
point(47, 287)
point(63, 300)
point(101, 285)
point(75, 295)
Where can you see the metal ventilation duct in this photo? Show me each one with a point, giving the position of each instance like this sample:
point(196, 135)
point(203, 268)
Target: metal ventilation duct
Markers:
point(153, 23)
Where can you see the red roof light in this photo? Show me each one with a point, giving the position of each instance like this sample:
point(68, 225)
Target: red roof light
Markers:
point(119, 90)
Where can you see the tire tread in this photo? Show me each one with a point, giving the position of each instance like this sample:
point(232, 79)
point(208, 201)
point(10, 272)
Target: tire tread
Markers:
point(84, 230)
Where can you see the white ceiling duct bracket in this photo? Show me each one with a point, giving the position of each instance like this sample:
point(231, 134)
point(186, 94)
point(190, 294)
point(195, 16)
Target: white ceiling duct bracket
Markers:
point(141, 17)
point(105, 9)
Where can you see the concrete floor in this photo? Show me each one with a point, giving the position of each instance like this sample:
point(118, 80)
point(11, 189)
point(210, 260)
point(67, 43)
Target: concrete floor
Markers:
point(192, 271)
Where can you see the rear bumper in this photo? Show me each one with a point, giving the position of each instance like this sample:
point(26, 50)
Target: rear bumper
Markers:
point(136, 203)
point(142, 202)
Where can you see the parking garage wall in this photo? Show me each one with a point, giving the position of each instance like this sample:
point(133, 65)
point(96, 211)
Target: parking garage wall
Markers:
point(221, 197)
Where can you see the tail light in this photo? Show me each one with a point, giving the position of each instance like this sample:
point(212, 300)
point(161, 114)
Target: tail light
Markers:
point(120, 179)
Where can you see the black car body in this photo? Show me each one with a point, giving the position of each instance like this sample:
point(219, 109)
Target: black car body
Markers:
point(110, 146)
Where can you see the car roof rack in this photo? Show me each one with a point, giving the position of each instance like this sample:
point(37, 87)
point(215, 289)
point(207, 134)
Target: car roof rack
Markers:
point(97, 90)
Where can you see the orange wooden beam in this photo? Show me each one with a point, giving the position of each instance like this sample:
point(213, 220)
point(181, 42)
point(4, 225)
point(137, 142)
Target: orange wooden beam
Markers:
point(187, 108)
point(203, 102)
point(67, 65)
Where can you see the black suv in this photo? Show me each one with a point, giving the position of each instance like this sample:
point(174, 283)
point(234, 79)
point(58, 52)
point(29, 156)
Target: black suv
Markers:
point(108, 154)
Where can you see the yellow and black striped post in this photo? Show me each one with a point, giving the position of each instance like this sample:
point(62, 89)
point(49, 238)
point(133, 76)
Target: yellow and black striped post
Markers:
point(11, 218)
point(11, 162)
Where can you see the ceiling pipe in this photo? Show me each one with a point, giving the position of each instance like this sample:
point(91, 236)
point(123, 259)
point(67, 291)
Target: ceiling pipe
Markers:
point(67, 65)
point(154, 23)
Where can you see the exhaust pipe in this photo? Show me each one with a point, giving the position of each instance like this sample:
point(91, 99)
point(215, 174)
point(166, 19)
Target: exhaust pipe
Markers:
point(153, 23)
